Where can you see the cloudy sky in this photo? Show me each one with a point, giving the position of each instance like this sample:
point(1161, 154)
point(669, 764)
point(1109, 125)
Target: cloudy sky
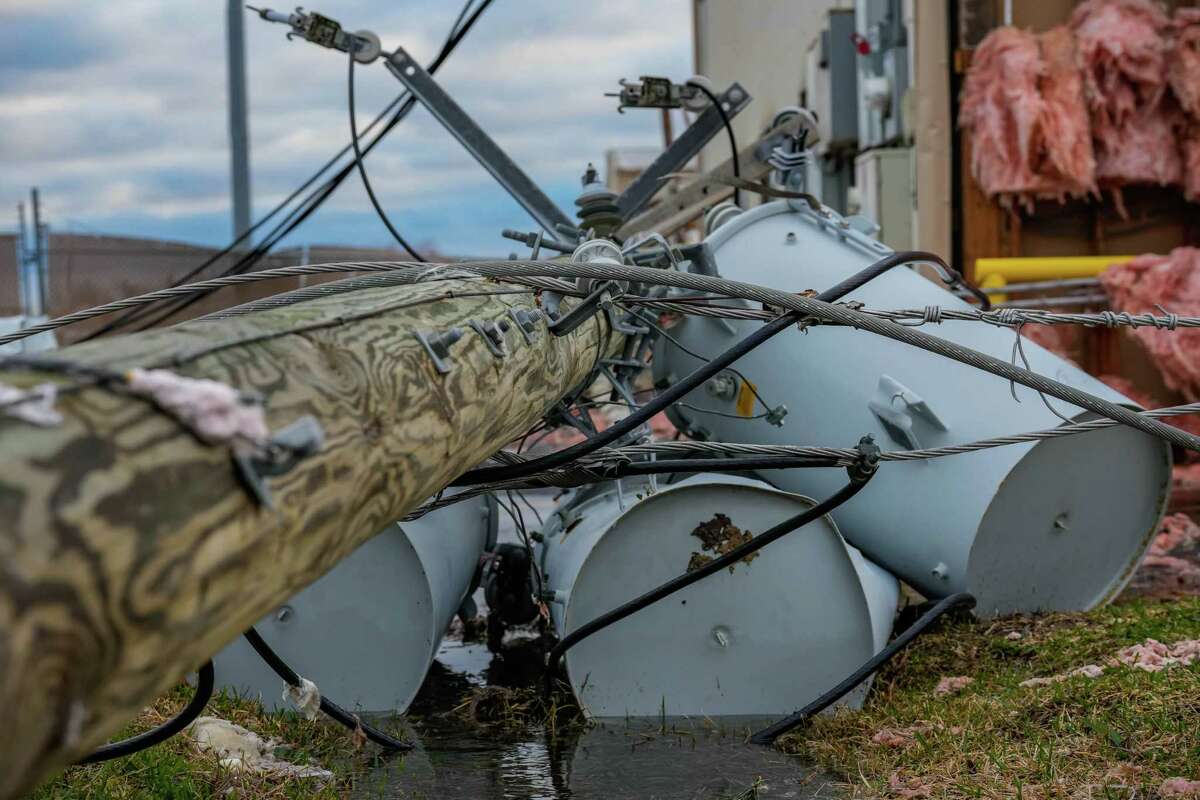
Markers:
point(116, 110)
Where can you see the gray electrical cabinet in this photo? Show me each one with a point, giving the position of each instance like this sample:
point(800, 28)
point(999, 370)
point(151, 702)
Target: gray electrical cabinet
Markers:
point(831, 90)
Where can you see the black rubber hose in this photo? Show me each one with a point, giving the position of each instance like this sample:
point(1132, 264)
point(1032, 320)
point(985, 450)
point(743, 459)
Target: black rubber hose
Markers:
point(127, 747)
point(330, 708)
point(858, 480)
point(677, 390)
point(770, 734)
point(736, 158)
point(362, 167)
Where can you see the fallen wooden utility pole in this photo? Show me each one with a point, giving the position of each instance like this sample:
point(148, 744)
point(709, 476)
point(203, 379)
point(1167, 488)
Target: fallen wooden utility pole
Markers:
point(132, 551)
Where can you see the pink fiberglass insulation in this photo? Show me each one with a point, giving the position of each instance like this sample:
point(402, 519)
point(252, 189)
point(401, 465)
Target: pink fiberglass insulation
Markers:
point(1172, 282)
point(1000, 108)
point(1189, 145)
point(1183, 74)
point(1022, 104)
point(1123, 47)
point(1183, 64)
point(1066, 129)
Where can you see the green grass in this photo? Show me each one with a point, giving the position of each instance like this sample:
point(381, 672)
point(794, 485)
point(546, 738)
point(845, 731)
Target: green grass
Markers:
point(177, 770)
point(1079, 738)
point(1084, 738)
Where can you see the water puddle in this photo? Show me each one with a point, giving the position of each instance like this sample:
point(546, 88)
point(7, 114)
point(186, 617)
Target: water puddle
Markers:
point(659, 758)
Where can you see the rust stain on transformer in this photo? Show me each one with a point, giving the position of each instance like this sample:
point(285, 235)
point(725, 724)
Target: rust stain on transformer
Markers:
point(718, 536)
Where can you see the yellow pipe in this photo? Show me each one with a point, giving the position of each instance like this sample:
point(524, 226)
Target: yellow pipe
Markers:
point(993, 273)
point(1011, 270)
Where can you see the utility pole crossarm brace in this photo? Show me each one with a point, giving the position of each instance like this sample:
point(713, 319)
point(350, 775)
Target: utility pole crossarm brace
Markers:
point(478, 143)
point(682, 150)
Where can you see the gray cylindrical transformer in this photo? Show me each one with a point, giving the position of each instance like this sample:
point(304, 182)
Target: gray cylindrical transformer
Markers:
point(761, 639)
point(366, 632)
point(1057, 525)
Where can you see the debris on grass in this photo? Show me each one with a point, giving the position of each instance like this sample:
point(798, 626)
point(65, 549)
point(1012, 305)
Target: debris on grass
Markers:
point(908, 786)
point(952, 685)
point(1179, 787)
point(1150, 656)
point(240, 749)
point(1154, 656)
point(1122, 732)
point(1086, 671)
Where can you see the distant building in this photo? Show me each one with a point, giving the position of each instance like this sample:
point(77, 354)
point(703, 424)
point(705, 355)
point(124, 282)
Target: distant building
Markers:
point(88, 270)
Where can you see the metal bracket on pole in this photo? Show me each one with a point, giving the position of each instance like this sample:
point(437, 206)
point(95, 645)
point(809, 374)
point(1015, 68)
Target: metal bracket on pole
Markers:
point(479, 144)
point(682, 150)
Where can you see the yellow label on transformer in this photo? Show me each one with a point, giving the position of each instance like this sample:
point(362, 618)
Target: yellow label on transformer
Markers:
point(745, 399)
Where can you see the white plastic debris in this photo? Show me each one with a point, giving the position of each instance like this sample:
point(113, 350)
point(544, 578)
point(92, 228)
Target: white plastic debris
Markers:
point(306, 698)
point(215, 412)
point(35, 405)
point(243, 750)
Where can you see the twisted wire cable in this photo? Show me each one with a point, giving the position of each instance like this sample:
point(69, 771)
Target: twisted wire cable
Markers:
point(812, 309)
point(595, 467)
point(845, 456)
point(413, 269)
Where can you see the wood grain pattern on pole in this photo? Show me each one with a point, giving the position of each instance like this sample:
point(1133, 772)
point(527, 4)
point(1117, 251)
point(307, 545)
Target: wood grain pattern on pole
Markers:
point(129, 551)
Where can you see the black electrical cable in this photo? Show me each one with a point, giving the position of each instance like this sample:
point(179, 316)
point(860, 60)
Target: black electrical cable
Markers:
point(771, 733)
point(737, 162)
point(330, 708)
point(362, 168)
point(302, 212)
point(859, 477)
point(194, 271)
point(676, 391)
point(204, 691)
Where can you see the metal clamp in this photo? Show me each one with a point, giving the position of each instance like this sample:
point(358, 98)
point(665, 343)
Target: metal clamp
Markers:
point(437, 345)
point(527, 320)
point(600, 298)
point(868, 460)
point(899, 422)
point(492, 334)
point(287, 448)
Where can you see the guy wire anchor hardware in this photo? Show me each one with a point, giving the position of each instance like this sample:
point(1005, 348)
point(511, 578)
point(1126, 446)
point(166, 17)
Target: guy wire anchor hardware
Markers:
point(437, 345)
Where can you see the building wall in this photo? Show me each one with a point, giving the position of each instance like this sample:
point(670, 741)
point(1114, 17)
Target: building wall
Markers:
point(762, 45)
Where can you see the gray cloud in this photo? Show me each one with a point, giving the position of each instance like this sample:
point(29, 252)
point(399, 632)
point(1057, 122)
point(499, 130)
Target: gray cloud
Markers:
point(126, 118)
